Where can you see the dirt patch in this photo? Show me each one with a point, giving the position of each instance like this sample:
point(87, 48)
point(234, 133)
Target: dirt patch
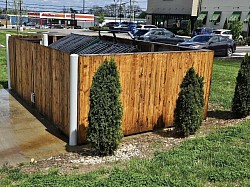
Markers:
point(137, 146)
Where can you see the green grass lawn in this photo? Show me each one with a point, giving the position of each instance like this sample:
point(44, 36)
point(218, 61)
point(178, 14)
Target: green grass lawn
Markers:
point(220, 159)
point(3, 65)
point(223, 83)
point(3, 68)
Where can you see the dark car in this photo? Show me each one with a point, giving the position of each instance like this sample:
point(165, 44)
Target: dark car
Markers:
point(219, 44)
point(139, 34)
point(201, 30)
point(162, 35)
point(111, 25)
point(58, 26)
point(77, 27)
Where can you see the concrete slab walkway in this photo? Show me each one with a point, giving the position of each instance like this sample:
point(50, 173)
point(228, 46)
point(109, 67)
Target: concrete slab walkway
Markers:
point(23, 136)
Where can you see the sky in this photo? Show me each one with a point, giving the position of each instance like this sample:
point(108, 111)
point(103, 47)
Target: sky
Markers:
point(77, 4)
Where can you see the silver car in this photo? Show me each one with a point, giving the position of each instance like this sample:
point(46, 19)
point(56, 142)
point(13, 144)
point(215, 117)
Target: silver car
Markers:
point(162, 36)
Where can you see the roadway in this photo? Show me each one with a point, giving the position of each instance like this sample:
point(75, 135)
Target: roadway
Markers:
point(241, 50)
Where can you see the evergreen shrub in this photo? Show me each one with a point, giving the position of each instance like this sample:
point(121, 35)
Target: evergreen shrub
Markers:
point(241, 99)
point(188, 113)
point(105, 116)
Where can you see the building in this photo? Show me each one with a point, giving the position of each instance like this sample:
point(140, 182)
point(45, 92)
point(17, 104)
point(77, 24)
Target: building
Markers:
point(66, 19)
point(172, 14)
point(13, 19)
point(214, 13)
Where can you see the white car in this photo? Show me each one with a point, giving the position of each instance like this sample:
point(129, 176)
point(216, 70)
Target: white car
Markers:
point(226, 33)
point(146, 27)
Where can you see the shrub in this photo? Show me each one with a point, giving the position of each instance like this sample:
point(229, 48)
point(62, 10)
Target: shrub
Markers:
point(181, 32)
point(188, 30)
point(241, 99)
point(236, 29)
point(105, 116)
point(247, 40)
point(188, 113)
point(197, 24)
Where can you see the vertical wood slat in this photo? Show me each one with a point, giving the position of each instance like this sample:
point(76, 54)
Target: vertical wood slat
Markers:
point(150, 86)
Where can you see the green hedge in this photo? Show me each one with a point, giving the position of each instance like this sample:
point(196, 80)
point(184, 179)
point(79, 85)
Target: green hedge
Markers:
point(105, 116)
point(188, 113)
point(241, 99)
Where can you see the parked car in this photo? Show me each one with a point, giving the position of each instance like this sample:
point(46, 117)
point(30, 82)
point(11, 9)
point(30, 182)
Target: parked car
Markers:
point(58, 26)
point(226, 33)
point(163, 36)
point(201, 30)
point(77, 27)
point(146, 27)
point(219, 44)
point(30, 24)
point(111, 25)
point(1, 25)
point(125, 27)
point(139, 34)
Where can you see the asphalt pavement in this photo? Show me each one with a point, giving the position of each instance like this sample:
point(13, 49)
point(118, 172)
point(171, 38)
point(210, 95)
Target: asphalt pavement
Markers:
point(242, 50)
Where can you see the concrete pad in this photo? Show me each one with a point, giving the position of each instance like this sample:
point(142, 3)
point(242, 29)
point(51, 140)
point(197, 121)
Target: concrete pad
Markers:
point(23, 136)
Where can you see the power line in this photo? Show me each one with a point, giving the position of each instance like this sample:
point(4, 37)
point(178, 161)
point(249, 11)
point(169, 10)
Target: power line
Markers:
point(50, 7)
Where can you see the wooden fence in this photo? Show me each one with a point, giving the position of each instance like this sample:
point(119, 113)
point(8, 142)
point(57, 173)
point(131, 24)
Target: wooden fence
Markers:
point(44, 72)
point(150, 83)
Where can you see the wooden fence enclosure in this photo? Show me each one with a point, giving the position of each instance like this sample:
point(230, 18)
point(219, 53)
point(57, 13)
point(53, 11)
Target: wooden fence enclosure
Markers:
point(44, 72)
point(150, 83)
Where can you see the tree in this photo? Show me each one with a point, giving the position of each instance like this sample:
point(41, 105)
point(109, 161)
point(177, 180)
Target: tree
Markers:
point(73, 11)
point(142, 15)
point(225, 26)
point(105, 115)
point(101, 18)
point(236, 29)
point(188, 30)
point(188, 113)
point(241, 99)
point(197, 24)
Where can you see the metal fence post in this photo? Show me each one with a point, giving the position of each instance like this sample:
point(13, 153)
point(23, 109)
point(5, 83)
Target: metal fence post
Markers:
point(8, 59)
point(45, 40)
point(73, 99)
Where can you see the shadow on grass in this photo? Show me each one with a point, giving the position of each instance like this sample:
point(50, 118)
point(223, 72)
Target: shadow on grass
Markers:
point(218, 114)
point(4, 84)
point(168, 133)
point(159, 129)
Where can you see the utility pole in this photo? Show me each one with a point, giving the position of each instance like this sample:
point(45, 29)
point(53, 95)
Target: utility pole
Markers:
point(83, 6)
point(133, 10)
point(130, 3)
point(115, 9)
point(6, 16)
point(120, 11)
point(20, 13)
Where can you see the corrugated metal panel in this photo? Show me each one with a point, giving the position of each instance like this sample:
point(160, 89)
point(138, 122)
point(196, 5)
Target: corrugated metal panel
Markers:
point(80, 44)
point(73, 43)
